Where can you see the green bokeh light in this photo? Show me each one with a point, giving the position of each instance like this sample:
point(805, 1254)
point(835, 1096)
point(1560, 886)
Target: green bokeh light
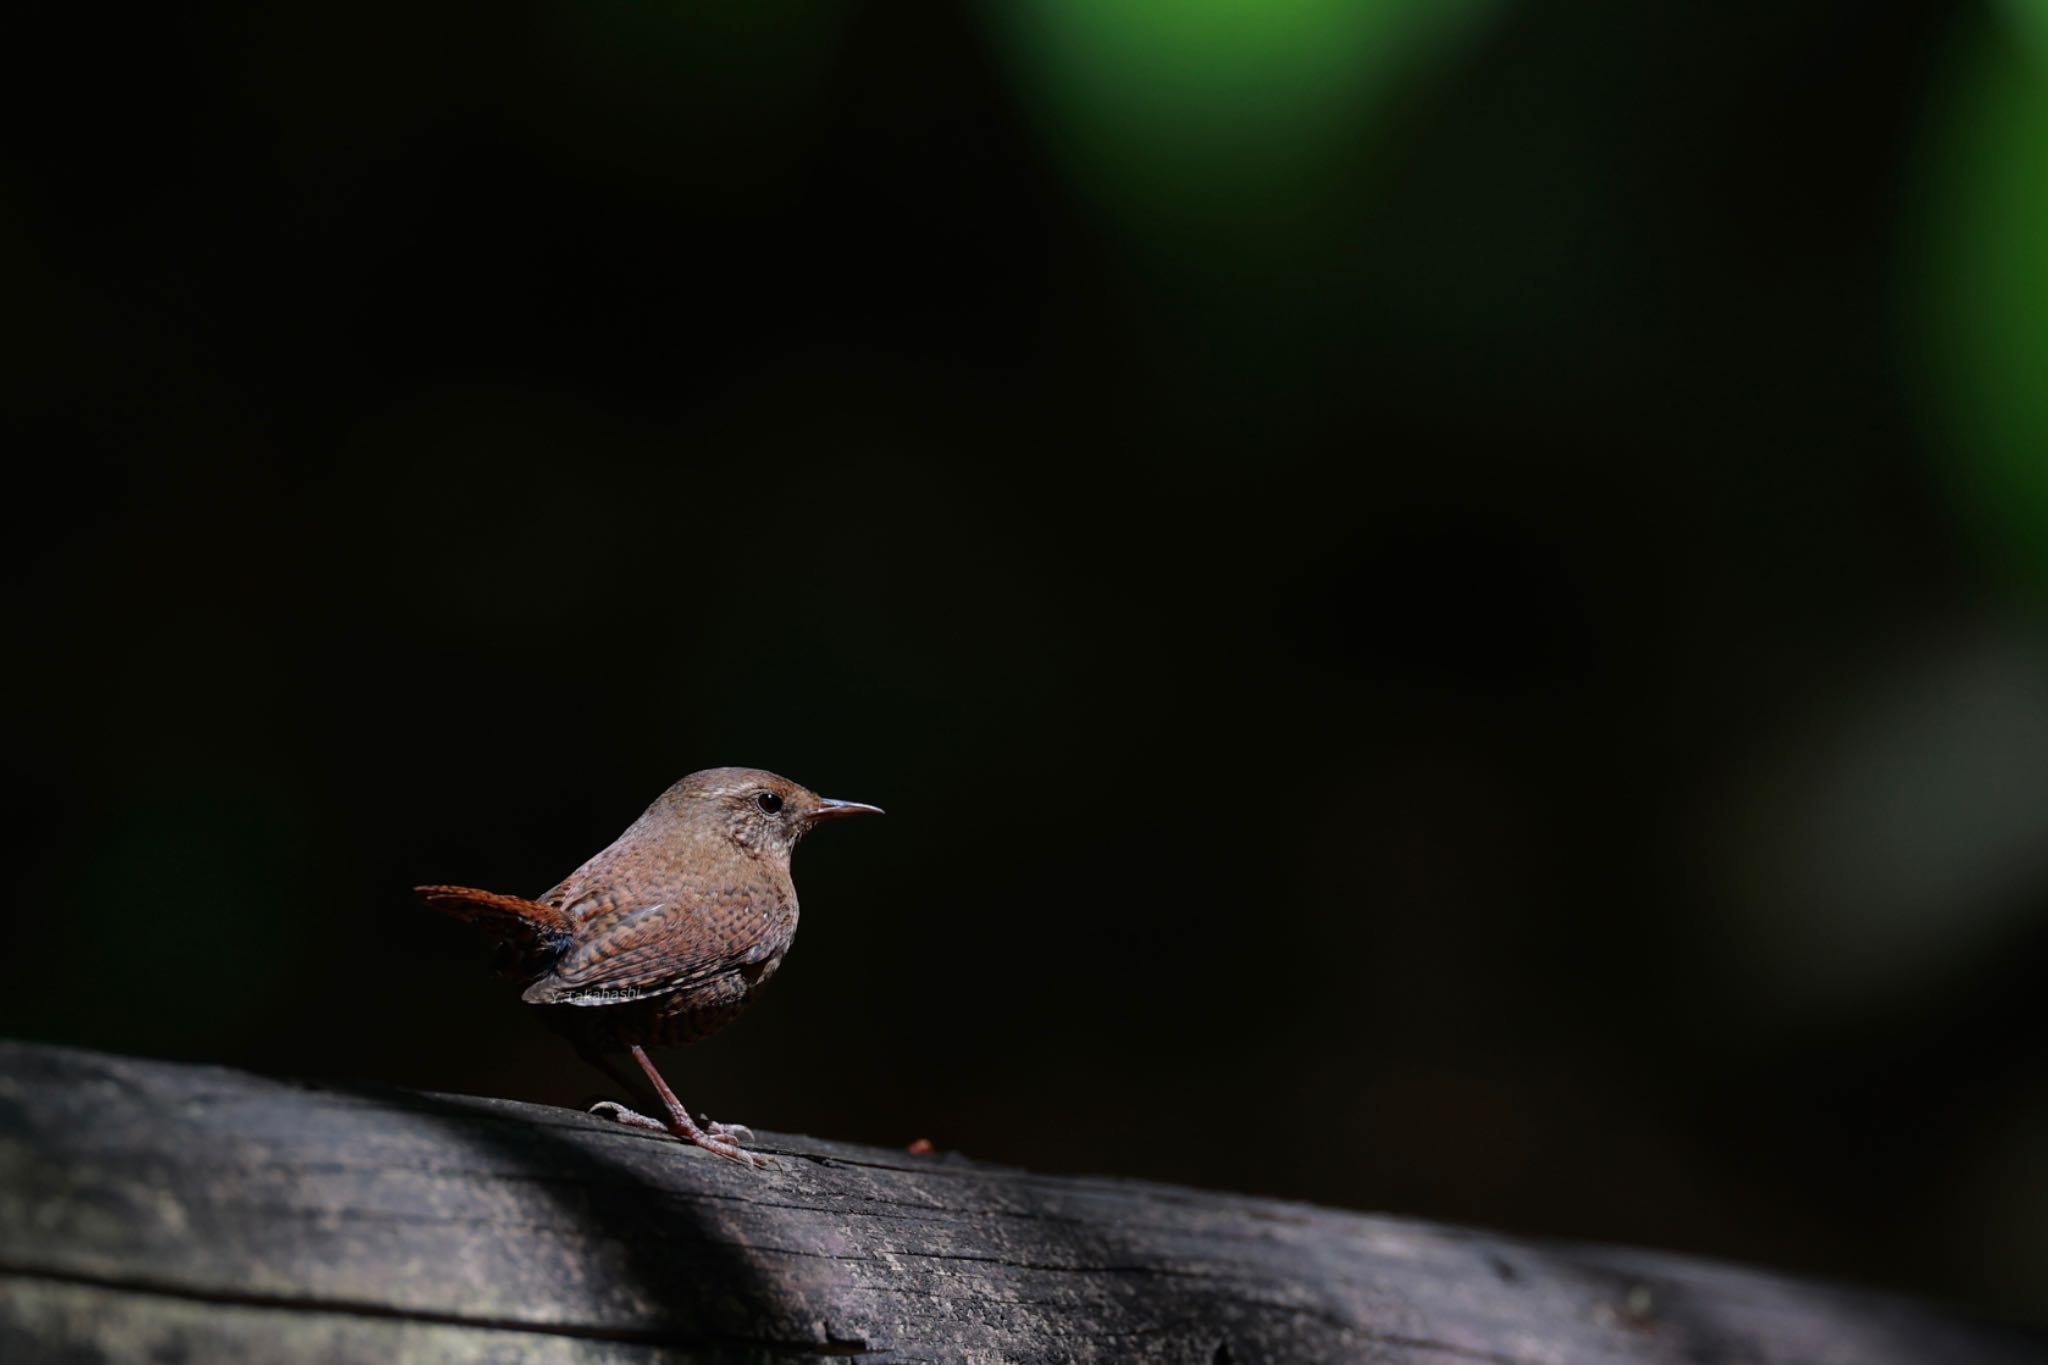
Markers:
point(1207, 122)
point(1985, 347)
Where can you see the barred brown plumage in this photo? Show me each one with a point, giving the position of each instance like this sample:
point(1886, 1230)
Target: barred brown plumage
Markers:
point(664, 936)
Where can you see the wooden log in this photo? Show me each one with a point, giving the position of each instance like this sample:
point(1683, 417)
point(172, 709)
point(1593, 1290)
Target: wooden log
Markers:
point(151, 1211)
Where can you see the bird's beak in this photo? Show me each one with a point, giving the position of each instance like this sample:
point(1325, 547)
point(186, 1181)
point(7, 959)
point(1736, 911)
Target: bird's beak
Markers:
point(833, 810)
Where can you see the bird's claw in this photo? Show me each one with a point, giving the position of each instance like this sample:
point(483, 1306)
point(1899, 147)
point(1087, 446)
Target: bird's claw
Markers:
point(730, 1150)
point(738, 1132)
point(619, 1113)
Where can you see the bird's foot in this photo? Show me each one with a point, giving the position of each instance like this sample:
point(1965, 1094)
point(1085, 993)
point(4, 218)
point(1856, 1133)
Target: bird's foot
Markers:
point(619, 1113)
point(727, 1146)
point(720, 1139)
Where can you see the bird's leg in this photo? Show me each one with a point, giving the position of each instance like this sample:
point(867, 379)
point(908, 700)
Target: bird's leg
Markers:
point(611, 1109)
point(720, 1138)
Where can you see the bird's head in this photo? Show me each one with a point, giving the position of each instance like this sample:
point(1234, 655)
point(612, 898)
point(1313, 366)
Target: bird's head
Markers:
point(761, 813)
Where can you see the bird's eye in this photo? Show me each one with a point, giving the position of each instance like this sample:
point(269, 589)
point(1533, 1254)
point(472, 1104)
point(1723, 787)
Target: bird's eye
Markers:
point(769, 803)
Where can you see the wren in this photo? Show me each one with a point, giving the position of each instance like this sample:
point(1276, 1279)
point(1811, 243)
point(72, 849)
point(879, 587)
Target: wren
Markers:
point(667, 934)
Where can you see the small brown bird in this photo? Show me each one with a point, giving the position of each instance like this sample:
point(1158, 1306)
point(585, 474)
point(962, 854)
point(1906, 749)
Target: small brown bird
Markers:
point(665, 935)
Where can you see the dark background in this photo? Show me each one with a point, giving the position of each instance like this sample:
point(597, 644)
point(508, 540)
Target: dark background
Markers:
point(1447, 599)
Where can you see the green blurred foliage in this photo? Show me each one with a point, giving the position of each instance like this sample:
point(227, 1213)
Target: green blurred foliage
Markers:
point(1983, 206)
point(1221, 131)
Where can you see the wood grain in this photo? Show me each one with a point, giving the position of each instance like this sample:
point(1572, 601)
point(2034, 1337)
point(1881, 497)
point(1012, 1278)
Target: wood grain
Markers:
point(151, 1211)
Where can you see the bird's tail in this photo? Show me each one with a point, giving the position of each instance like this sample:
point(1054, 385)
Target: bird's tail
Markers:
point(528, 935)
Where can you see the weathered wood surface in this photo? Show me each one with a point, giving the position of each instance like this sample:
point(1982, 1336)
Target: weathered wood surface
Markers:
point(174, 1213)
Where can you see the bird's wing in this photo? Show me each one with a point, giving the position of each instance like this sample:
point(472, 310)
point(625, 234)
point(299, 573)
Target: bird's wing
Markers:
point(629, 953)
